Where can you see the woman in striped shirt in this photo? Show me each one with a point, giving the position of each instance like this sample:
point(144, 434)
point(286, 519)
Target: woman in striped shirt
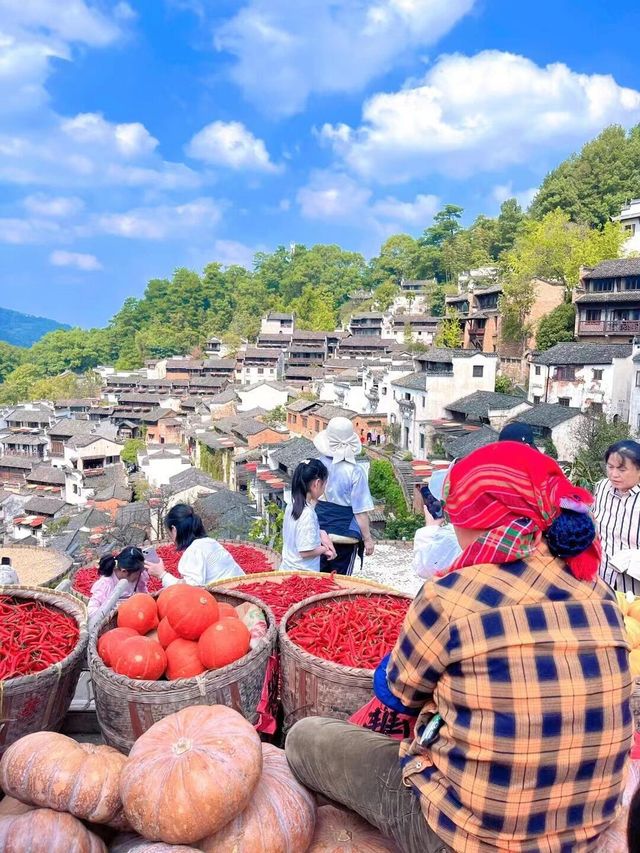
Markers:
point(617, 511)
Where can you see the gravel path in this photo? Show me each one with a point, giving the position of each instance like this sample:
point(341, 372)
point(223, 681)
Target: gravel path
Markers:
point(391, 565)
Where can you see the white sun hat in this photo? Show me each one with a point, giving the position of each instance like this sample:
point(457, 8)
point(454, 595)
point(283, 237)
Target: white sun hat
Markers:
point(338, 441)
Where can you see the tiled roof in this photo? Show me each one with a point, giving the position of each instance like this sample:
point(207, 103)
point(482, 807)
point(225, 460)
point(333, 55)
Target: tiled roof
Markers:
point(260, 352)
point(291, 453)
point(44, 506)
point(480, 403)
point(366, 342)
point(24, 438)
point(310, 372)
point(547, 415)
point(228, 396)
point(301, 405)
point(303, 335)
point(46, 474)
point(329, 411)
point(413, 381)
point(615, 268)
point(158, 414)
point(17, 462)
point(415, 319)
point(37, 414)
point(189, 479)
point(582, 353)
point(624, 296)
point(85, 440)
point(368, 315)
point(461, 446)
point(275, 315)
point(447, 355)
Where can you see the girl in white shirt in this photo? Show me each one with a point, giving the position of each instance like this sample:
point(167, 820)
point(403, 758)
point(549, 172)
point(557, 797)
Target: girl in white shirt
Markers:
point(203, 559)
point(303, 543)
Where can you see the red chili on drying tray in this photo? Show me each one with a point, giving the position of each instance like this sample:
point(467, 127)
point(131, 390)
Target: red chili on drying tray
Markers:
point(358, 632)
point(281, 596)
point(85, 577)
point(251, 560)
point(33, 636)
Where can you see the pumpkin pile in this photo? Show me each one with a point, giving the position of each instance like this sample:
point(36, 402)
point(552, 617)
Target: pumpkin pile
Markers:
point(630, 607)
point(181, 635)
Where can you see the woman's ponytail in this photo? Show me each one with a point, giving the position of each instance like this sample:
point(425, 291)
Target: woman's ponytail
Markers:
point(303, 476)
point(106, 565)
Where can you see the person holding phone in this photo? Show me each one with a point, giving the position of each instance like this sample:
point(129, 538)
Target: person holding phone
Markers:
point(129, 564)
point(435, 545)
point(203, 558)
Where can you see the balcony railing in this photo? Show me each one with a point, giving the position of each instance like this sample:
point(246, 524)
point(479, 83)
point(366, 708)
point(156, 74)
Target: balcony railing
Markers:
point(609, 327)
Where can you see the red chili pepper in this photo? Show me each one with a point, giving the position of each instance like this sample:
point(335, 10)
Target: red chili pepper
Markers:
point(357, 633)
point(251, 560)
point(33, 636)
point(280, 596)
point(85, 577)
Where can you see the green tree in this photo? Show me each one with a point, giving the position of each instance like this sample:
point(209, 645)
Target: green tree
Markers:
point(504, 385)
point(10, 358)
point(591, 186)
point(17, 385)
point(556, 327)
point(276, 417)
point(130, 450)
point(315, 309)
point(449, 333)
point(384, 486)
point(446, 224)
point(73, 349)
point(384, 295)
point(509, 226)
point(399, 258)
point(66, 386)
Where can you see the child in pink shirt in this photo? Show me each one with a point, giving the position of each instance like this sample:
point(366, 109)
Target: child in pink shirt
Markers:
point(129, 564)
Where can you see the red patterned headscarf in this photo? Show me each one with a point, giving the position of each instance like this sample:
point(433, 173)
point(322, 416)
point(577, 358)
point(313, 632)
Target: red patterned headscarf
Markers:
point(514, 493)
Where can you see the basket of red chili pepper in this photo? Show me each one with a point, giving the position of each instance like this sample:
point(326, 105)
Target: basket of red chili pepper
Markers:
point(43, 639)
point(329, 647)
point(252, 557)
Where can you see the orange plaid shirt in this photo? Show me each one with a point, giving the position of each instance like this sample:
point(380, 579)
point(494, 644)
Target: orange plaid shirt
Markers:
point(528, 668)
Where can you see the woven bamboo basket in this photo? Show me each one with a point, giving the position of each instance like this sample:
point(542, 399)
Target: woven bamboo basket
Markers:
point(37, 566)
point(32, 703)
point(314, 687)
point(273, 556)
point(126, 708)
point(348, 582)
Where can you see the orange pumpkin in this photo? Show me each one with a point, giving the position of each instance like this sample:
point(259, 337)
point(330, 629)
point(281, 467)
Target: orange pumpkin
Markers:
point(632, 627)
point(225, 609)
point(339, 831)
point(138, 612)
point(634, 662)
point(224, 642)
point(183, 660)
point(141, 658)
point(166, 634)
point(47, 831)
point(281, 815)
point(79, 778)
point(131, 843)
point(190, 774)
point(191, 612)
point(110, 641)
point(165, 597)
point(11, 806)
point(634, 609)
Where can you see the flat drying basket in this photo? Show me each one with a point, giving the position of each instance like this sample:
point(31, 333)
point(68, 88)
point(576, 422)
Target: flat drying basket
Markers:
point(272, 556)
point(37, 566)
point(127, 707)
point(31, 703)
point(314, 687)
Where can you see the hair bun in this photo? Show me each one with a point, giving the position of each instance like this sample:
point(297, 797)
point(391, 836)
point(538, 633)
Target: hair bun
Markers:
point(570, 534)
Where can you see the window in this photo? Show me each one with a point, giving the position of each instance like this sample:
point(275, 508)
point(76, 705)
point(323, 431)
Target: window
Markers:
point(597, 374)
point(564, 401)
point(421, 441)
point(566, 373)
point(260, 371)
point(593, 315)
point(536, 399)
point(317, 423)
point(424, 402)
point(384, 390)
point(595, 408)
point(304, 421)
point(478, 371)
point(407, 395)
point(601, 285)
point(538, 370)
point(637, 378)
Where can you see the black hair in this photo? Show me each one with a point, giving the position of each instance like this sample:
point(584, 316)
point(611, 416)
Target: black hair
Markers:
point(571, 533)
point(303, 476)
point(627, 449)
point(633, 824)
point(130, 559)
point(187, 523)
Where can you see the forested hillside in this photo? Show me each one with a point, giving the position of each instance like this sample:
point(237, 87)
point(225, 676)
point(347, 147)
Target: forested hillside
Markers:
point(23, 330)
point(566, 226)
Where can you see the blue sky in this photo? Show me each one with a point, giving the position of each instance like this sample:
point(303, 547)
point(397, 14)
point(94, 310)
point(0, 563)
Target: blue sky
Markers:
point(136, 137)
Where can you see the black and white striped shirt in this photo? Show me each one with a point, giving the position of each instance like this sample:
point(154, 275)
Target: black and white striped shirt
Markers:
point(618, 520)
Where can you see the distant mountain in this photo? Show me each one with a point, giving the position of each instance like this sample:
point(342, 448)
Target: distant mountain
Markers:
point(23, 330)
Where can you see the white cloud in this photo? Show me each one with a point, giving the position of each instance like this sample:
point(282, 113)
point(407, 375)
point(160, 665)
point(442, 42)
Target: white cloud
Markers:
point(163, 222)
point(77, 260)
point(286, 50)
point(21, 231)
point(59, 207)
point(73, 20)
point(484, 112)
point(232, 145)
point(502, 192)
point(230, 252)
point(126, 140)
point(337, 197)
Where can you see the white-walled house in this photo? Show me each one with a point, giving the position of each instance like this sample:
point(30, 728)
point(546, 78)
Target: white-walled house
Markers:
point(91, 453)
point(588, 377)
point(276, 323)
point(421, 397)
point(560, 424)
point(161, 464)
point(629, 218)
point(263, 395)
point(634, 395)
point(255, 364)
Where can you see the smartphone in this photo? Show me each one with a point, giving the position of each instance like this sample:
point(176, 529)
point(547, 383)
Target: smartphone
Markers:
point(150, 554)
point(433, 505)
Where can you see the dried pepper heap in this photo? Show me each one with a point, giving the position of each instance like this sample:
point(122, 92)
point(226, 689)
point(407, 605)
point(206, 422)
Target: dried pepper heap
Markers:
point(33, 636)
point(358, 632)
point(85, 578)
point(281, 596)
point(251, 560)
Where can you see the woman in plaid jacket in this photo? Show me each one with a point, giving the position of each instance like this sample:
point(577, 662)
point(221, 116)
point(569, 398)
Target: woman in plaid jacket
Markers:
point(515, 663)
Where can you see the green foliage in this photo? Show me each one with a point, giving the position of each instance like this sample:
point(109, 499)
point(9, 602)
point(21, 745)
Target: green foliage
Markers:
point(57, 525)
point(549, 448)
point(212, 462)
point(65, 386)
point(384, 486)
point(276, 417)
point(130, 450)
point(17, 385)
point(556, 327)
point(403, 528)
point(591, 186)
point(141, 489)
point(268, 531)
point(592, 439)
point(449, 333)
point(10, 358)
point(384, 295)
point(504, 385)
